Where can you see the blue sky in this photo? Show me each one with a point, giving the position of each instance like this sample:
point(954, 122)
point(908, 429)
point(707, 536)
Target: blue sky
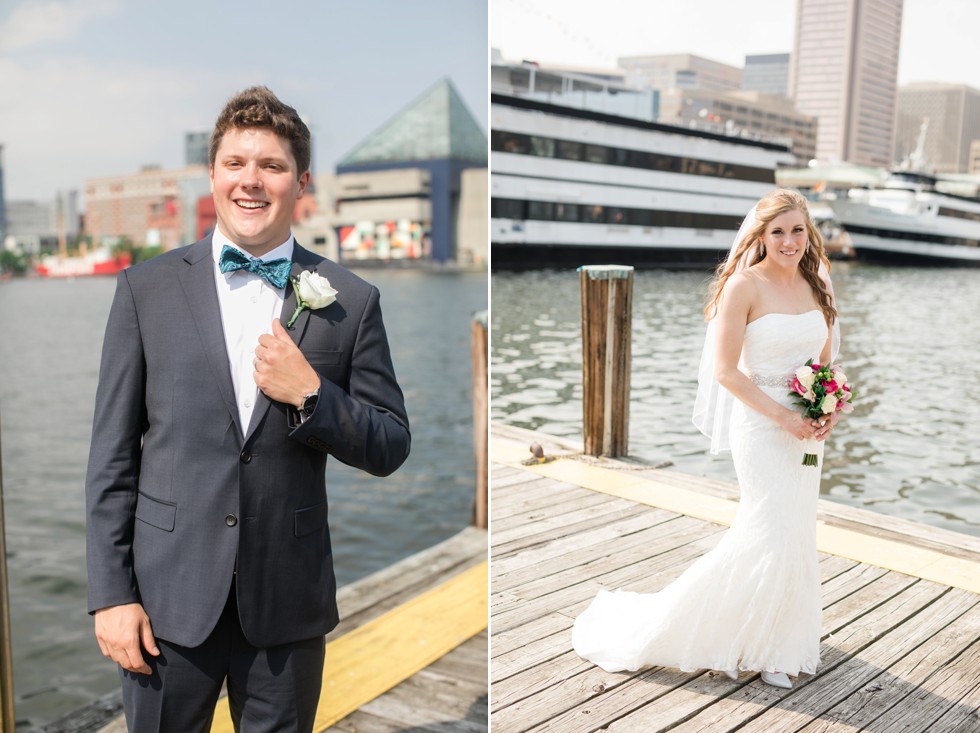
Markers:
point(939, 37)
point(100, 87)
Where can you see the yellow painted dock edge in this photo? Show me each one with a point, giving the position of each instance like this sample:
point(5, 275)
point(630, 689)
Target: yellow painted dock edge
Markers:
point(370, 660)
point(889, 554)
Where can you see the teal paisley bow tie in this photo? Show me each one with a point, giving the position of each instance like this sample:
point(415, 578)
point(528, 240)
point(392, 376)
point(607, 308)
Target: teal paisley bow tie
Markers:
point(274, 272)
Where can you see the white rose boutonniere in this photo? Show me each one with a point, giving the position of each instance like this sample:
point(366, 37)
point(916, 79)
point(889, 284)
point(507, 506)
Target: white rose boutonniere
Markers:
point(312, 291)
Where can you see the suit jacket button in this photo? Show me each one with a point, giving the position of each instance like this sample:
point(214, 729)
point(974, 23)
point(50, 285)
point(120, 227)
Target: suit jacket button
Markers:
point(246, 457)
point(231, 520)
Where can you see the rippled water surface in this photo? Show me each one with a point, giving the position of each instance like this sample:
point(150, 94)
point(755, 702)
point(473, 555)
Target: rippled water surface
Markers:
point(911, 339)
point(50, 342)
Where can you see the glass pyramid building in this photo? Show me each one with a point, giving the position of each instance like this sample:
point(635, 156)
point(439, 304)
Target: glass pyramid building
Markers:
point(436, 126)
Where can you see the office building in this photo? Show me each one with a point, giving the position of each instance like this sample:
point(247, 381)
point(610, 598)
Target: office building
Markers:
point(153, 207)
point(951, 116)
point(196, 147)
point(34, 227)
point(974, 167)
point(750, 115)
point(682, 71)
point(767, 73)
point(843, 71)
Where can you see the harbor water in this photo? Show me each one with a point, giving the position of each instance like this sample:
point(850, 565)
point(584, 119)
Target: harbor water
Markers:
point(50, 342)
point(910, 345)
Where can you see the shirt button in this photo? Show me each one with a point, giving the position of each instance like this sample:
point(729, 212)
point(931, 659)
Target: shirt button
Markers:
point(248, 403)
point(255, 299)
point(231, 520)
point(246, 457)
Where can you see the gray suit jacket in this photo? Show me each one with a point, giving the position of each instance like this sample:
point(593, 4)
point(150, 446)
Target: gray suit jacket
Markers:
point(177, 500)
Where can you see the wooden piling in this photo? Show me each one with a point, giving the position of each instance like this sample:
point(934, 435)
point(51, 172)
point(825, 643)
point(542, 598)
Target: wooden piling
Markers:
point(607, 308)
point(480, 416)
point(7, 720)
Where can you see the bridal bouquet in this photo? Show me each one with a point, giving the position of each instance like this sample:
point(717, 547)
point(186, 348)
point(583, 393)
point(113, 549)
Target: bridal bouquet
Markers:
point(820, 390)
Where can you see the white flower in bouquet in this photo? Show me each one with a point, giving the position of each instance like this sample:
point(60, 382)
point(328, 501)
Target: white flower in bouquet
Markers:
point(806, 376)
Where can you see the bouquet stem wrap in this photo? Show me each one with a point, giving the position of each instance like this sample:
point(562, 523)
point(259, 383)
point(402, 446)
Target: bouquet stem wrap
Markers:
point(810, 454)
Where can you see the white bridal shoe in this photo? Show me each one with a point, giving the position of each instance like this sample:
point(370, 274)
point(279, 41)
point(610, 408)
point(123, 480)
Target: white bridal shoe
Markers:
point(731, 674)
point(777, 679)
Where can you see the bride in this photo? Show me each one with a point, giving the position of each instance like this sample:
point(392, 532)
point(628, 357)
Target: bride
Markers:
point(753, 602)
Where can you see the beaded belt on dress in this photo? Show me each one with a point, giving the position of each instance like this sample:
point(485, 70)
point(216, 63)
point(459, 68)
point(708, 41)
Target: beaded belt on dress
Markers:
point(764, 380)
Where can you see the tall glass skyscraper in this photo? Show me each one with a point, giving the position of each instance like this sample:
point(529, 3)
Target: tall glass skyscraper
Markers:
point(844, 70)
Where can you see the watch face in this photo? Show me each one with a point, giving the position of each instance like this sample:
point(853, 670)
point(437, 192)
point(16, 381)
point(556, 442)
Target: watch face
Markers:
point(309, 405)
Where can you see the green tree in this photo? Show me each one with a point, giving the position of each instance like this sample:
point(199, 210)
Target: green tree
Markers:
point(14, 262)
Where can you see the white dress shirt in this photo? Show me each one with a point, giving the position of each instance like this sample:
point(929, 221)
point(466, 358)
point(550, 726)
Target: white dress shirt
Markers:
point(248, 306)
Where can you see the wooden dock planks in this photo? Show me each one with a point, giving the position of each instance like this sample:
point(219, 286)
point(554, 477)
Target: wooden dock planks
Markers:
point(899, 652)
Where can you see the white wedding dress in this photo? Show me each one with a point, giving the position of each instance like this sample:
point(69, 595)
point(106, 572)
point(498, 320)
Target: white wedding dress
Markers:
point(753, 601)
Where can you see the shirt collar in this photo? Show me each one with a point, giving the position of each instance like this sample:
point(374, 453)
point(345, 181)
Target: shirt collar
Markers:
point(219, 240)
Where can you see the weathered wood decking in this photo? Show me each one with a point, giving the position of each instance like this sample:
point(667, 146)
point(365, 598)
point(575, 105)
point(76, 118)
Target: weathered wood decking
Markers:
point(899, 653)
point(409, 655)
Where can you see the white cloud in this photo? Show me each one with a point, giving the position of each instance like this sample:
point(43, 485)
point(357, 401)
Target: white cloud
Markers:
point(48, 21)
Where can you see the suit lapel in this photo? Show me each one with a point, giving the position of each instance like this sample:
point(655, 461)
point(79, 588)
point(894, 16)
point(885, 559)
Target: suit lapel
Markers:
point(197, 280)
point(302, 260)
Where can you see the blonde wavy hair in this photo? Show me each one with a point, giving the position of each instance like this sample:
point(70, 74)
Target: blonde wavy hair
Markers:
point(771, 205)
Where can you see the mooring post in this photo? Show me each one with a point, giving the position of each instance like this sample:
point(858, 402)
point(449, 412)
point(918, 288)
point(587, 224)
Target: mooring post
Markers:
point(7, 721)
point(607, 315)
point(478, 352)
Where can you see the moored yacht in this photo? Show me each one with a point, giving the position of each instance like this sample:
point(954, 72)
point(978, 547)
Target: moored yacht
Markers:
point(907, 220)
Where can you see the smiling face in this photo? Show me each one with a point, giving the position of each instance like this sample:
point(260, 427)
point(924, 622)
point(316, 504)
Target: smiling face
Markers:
point(255, 186)
point(785, 238)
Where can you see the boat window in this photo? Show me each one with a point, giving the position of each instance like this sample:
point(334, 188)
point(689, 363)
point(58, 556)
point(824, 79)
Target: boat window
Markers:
point(566, 212)
point(594, 214)
point(600, 214)
point(596, 153)
point(545, 147)
point(569, 150)
point(541, 210)
point(507, 209)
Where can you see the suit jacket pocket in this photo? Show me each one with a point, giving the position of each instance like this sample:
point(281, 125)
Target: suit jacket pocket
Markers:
point(160, 514)
point(324, 357)
point(310, 519)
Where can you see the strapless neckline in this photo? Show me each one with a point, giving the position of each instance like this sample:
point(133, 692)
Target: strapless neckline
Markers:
point(785, 315)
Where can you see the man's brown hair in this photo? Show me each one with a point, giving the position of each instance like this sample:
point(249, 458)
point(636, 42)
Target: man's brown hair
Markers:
point(258, 107)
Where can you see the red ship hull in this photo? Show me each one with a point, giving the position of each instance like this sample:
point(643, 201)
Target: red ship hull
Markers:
point(100, 262)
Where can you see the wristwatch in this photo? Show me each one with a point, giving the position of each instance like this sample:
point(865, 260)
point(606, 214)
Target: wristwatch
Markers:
point(309, 404)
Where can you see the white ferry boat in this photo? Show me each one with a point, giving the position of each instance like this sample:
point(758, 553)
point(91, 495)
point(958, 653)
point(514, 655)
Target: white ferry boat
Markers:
point(906, 220)
point(572, 186)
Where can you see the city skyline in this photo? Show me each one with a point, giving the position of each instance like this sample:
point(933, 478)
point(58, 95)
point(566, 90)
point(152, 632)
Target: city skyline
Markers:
point(937, 35)
point(94, 88)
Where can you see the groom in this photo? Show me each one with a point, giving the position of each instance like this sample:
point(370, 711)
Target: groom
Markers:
point(209, 555)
